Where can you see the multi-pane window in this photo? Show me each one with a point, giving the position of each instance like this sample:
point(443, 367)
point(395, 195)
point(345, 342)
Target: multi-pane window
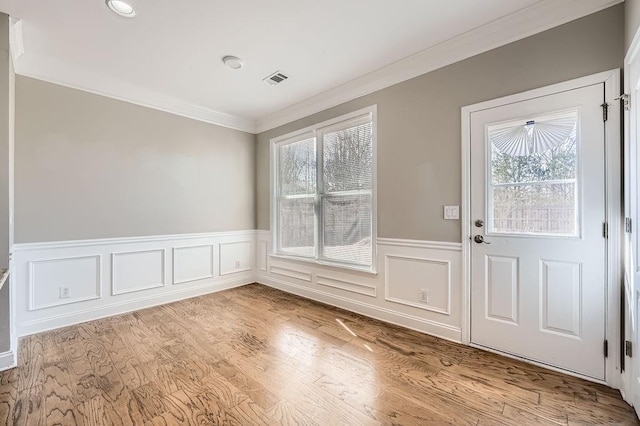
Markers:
point(324, 192)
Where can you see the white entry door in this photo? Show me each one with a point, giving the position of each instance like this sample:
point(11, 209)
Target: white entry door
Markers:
point(538, 286)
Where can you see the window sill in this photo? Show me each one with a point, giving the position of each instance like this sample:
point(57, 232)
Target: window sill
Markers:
point(332, 265)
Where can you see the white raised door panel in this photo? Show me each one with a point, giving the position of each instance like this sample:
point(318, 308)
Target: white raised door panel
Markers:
point(561, 298)
point(501, 288)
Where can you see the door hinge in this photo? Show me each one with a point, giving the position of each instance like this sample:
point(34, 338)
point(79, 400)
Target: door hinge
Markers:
point(606, 348)
point(626, 101)
point(628, 349)
point(605, 111)
point(627, 225)
point(605, 230)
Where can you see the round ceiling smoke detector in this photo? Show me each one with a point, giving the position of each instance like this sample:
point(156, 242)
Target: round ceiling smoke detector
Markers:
point(232, 62)
point(121, 8)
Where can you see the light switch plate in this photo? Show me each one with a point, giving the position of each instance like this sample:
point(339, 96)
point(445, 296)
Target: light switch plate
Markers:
point(452, 212)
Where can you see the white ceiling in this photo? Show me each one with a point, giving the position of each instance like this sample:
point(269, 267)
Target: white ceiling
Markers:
point(169, 56)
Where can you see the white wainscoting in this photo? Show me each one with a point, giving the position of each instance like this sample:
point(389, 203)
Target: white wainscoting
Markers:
point(110, 276)
point(406, 268)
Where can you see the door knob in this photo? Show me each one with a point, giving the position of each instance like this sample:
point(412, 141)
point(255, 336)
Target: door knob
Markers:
point(480, 239)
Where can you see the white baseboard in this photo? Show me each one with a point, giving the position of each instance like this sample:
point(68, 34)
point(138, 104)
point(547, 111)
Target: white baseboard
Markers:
point(443, 331)
point(7, 360)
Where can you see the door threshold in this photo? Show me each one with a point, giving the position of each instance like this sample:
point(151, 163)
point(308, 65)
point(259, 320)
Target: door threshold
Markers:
point(540, 364)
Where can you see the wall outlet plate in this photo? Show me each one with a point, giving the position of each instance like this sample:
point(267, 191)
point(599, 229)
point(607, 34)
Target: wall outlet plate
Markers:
point(64, 293)
point(452, 212)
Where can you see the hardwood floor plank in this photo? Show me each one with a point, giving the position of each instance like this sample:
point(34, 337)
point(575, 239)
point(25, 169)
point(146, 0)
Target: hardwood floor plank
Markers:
point(53, 352)
point(29, 408)
point(93, 413)
point(255, 355)
point(59, 398)
point(286, 414)
point(150, 399)
point(501, 391)
point(123, 410)
point(158, 373)
point(525, 417)
point(288, 381)
point(30, 362)
point(254, 390)
point(183, 411)
point(386, 407)
point(125, 362)
point(8, 395)
point(248, 412)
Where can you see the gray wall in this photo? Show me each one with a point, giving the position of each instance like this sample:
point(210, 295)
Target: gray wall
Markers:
point(88, 166)
point(419, 134)
point(631, 21)
point(5, 176)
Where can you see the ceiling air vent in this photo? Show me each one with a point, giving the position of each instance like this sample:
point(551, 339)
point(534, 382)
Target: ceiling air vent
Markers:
point(276, 78)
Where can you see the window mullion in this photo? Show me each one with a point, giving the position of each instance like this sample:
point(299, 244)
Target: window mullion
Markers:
point(278, 194)
point(319, 241)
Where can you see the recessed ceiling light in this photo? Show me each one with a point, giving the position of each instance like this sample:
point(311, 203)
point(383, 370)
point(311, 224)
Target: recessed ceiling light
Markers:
point(122, 8)
point(232, 62)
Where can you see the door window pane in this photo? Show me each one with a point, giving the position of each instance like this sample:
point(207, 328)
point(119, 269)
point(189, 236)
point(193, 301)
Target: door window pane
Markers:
point(533, 186)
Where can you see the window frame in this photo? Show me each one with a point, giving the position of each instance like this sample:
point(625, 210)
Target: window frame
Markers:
point(316, 132)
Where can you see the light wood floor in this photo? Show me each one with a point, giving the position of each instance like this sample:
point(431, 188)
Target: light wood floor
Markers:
point(254, 355)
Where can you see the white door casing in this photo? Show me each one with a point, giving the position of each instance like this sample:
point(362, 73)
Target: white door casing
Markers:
point(561, 329)
point(630, 379)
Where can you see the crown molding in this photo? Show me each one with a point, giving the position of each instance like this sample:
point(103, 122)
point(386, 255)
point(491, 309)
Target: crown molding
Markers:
point(505, 30)
point(16, 41)
point(137, 96)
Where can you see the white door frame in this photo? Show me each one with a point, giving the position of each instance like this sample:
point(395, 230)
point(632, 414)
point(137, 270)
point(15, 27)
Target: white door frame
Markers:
point(628, 386)
point(613, 208)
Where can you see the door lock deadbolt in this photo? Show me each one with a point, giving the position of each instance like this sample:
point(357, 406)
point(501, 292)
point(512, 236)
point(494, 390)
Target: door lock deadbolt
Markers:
point(479, 223)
